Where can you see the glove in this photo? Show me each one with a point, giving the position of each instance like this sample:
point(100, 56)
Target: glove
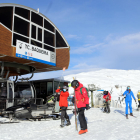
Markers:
point(74, 111)
point(87, 106)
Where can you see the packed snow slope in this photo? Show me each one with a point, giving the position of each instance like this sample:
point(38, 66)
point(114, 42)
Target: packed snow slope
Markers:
point(101, 126)
point(106, 79)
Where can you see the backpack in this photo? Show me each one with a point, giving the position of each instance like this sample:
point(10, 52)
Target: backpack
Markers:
point(86, 90)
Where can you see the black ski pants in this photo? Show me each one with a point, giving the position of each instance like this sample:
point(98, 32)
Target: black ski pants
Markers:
point(64, 114)
point(82, 120)
point(107, 107)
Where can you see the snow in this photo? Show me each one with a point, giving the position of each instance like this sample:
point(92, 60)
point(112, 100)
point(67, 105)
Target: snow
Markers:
point(101, 126)
point(106, 79)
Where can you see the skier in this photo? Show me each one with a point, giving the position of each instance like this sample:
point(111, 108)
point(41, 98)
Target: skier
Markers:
point(63, 103)
point(138, 95)
point(128, 100)
point(82, 102)
point(107, 98)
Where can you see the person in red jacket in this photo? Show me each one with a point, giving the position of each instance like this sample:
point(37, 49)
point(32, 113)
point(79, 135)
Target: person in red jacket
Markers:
point(82, 102)
point(107, 98)
point(63, 103)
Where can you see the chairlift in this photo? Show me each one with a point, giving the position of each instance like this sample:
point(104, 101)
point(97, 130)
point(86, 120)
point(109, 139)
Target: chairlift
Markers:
point(18, 99)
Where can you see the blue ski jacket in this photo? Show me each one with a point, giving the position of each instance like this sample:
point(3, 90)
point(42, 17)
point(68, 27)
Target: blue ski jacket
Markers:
point(128, 96)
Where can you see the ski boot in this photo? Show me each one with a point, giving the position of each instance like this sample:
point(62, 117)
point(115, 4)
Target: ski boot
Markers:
point(105, 110)
point(62, 123)
point(82, 131)
point(131, 114)
point(126, 116)
point(68, 122)
point(86, 130)
point(108, 110)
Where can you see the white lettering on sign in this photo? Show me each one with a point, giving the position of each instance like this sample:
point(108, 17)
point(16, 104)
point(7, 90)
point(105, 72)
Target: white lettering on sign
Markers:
point(34, 53)
point(36, 49)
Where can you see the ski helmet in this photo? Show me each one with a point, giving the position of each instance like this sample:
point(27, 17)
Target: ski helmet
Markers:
point(105, 92)
point(75, 83)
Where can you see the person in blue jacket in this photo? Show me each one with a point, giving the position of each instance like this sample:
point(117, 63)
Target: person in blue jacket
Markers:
point(128, 100)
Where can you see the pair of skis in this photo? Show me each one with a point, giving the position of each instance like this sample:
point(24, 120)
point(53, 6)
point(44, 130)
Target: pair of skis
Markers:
point(75, 107)
point(133, 116)
point(75, 112)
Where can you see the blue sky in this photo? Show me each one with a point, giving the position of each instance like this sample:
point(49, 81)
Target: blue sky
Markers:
point(102, 34)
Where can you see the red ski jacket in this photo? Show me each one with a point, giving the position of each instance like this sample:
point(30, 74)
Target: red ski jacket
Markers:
point(63, 98)
point(107, 97)
point(81, 99)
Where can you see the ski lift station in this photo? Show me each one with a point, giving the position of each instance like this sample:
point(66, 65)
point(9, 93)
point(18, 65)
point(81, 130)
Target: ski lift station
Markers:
point(29, 43)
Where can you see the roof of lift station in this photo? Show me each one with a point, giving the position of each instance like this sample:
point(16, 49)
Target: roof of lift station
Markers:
point(29, 41)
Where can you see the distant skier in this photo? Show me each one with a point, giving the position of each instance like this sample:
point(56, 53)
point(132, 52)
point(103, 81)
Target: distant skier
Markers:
point(107, 98)
point(82, 102)
point(138, 96)
point(63, 103)
point(128, 100)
